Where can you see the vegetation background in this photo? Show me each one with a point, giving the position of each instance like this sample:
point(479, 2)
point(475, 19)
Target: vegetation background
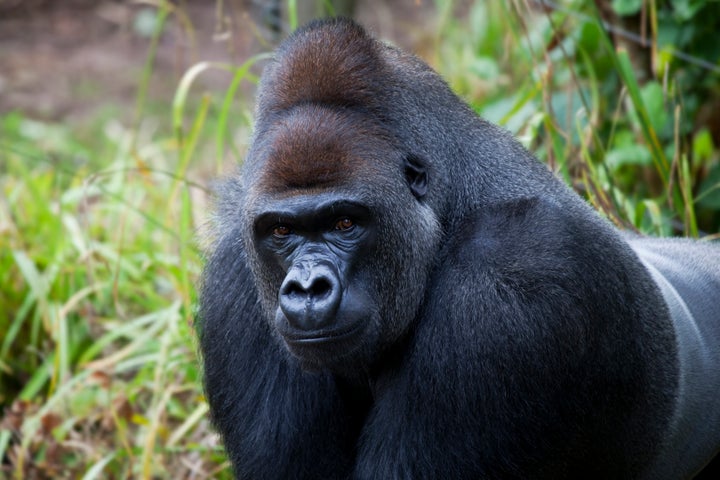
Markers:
point(116, 115)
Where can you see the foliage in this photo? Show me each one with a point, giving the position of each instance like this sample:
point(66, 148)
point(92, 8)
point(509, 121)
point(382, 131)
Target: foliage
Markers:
point(97, 269)
point(640, 142)
point(98, 264)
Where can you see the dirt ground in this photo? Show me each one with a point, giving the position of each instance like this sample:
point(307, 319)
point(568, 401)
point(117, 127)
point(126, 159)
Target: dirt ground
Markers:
point(66, 60)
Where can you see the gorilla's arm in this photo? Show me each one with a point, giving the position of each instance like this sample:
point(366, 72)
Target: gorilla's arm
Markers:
point(549, 374)
point(688, 274)
point(277, 421)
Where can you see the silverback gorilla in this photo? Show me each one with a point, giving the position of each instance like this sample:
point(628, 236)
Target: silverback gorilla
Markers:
point(399, 290)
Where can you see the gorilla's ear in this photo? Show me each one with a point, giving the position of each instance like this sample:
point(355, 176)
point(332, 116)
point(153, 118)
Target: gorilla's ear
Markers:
point(416, 175)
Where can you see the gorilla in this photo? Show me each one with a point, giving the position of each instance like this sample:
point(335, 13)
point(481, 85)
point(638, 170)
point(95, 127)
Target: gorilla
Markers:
point(398, 289)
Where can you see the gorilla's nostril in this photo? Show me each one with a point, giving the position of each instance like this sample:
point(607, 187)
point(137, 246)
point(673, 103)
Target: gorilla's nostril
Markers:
point(293, 289)
point(320, 288)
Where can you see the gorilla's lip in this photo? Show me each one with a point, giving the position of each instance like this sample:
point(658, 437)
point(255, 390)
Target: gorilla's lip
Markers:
point(325, 336)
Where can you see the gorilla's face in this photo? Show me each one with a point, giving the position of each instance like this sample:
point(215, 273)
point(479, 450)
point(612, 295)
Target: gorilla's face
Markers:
point(341, 247)
point(326, 309)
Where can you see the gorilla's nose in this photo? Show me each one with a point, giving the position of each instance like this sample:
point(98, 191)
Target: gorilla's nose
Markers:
point(310, 295)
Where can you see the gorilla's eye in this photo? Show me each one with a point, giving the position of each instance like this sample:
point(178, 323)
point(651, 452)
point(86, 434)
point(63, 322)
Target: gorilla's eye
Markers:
point(281, 231)
point(344, 224)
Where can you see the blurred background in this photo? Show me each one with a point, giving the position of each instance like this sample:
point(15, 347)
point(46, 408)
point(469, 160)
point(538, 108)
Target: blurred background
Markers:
point(116, 116)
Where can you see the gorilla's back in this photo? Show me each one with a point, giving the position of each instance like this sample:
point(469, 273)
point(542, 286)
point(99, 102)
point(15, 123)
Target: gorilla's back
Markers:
point(688, 275)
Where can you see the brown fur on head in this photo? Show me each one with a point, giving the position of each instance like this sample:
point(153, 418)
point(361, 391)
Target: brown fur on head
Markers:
point(337, 65)
point(312, 146)
point(369, 86)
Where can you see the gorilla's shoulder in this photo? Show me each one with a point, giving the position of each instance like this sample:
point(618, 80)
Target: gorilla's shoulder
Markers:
point(533, 235)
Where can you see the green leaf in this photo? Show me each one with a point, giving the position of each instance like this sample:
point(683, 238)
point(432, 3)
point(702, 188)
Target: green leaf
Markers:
point(628, 155)
point(709, 196)
point(653, 98)
point(626, 7)
point(628, 77)
point(702, 145)
point(684, 10)
point(485, 68)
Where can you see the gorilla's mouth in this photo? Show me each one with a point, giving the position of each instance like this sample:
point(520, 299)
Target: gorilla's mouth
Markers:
point(324, 336)
point(326, 348)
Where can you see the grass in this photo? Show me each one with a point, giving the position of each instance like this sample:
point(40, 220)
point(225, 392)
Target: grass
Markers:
point(99, 258)
point(99, 267)
point(100, 244)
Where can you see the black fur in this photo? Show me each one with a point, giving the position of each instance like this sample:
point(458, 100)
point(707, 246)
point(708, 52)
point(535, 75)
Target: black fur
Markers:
point(505, 329)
